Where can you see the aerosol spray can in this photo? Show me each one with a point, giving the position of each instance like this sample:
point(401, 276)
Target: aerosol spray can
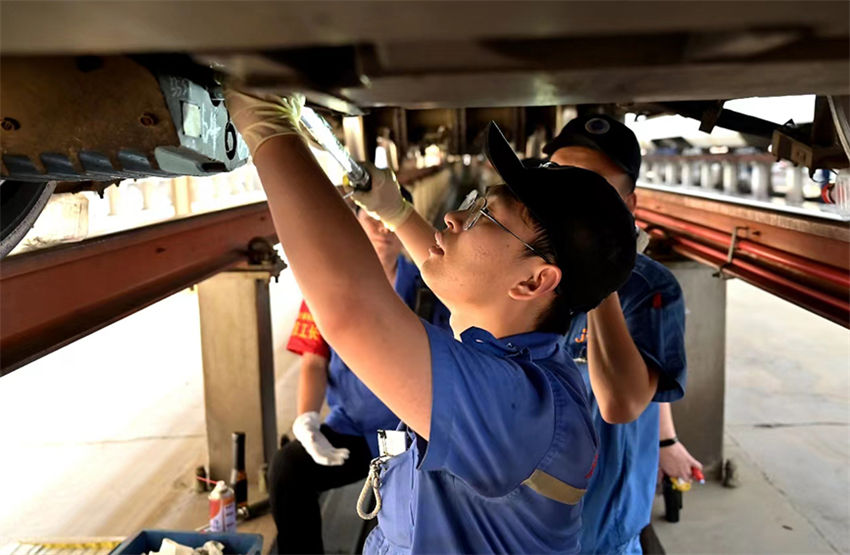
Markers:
point(222, 508)
point(238, 477)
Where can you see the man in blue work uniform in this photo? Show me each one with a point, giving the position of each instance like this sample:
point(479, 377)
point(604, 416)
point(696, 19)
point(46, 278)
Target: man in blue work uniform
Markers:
point(498, 445)
point(337, 452)
point(631, 351)
point(462, 407)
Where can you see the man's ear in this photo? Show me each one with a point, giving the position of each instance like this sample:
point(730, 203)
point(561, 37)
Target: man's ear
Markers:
point(545, 279)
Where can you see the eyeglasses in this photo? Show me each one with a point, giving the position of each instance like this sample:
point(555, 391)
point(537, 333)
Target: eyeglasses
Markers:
point(475, 206)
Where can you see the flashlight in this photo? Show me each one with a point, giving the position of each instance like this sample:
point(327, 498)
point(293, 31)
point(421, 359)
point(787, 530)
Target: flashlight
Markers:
point(358, 177)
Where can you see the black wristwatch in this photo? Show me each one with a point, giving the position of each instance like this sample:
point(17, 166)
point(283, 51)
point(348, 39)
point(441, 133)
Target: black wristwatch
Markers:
point(668, 442)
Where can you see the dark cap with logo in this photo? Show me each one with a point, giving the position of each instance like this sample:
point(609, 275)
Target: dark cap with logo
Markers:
point(605, 134)
point(588, 224)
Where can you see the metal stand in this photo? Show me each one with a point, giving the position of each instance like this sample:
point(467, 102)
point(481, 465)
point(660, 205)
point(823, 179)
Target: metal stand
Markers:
point(236, 341)
point(699, 415)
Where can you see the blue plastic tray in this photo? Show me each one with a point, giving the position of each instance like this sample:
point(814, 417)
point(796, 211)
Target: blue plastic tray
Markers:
point(151, 540)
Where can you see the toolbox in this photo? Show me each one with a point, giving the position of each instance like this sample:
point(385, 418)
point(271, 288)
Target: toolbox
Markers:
point(150, 540)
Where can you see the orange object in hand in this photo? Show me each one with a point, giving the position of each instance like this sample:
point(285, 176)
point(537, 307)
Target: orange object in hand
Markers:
point(697, 474)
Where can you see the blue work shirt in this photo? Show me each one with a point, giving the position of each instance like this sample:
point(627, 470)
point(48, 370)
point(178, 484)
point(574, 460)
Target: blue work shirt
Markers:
point(354, 409)
point(618, 502)
point(504, 411)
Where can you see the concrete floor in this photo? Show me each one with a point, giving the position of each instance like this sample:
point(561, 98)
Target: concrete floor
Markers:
point(100, 438)
point(787, 427)
point(757, 517)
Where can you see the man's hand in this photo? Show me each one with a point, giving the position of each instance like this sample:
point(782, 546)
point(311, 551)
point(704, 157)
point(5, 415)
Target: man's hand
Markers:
point(258, 118)
point(306, 430)
point(383, 201)
point(676, 462)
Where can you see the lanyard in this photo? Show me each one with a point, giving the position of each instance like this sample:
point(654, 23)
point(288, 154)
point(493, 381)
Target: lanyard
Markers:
point(373, 482)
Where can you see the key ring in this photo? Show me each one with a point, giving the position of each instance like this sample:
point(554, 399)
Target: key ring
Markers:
point(373, 482)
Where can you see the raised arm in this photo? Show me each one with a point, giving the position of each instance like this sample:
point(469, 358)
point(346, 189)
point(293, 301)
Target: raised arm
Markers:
point(335, 266)
point(622, 382)
point(312, 383)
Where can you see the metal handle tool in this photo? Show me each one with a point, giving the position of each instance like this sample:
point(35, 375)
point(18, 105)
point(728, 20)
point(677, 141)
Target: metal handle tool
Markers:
point(358, 177)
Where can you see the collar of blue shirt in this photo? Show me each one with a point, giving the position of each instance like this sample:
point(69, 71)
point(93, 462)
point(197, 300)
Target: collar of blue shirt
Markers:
point(533, 345)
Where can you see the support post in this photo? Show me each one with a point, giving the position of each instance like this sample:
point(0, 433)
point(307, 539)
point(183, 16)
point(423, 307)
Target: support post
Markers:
point(699, 415)
point(113, 193)
point(236, 343)
point(148, 189)
point(671, 170)
point(686, 171)
point(180, 197)
point(760, 181)
point(705, 178)
point(657, 172)
point(730, 177)
point(795, 181)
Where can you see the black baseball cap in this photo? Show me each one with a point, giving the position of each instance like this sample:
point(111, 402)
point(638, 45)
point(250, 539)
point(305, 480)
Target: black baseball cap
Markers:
point(589, 226)
point(605, 134)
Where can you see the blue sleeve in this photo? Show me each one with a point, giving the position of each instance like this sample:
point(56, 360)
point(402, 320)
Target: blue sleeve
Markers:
point(655, 316)
point(492, 420)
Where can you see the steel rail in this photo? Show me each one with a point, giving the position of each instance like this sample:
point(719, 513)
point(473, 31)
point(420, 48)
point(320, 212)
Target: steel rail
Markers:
point(51, 297)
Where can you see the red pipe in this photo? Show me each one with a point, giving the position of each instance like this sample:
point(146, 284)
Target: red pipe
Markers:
point(716, 259)
point(720, 259)
point(842, 318)
point(808, 267)
point(769, 276)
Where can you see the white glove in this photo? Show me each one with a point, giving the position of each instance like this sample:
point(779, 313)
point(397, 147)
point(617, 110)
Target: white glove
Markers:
point(259, 118)
point(306, 430)
point(383, 201)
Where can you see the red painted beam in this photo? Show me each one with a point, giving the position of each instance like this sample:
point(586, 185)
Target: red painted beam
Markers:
point(836, 276)
point(822, 303)
point(824, 241)
point(52, 297)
